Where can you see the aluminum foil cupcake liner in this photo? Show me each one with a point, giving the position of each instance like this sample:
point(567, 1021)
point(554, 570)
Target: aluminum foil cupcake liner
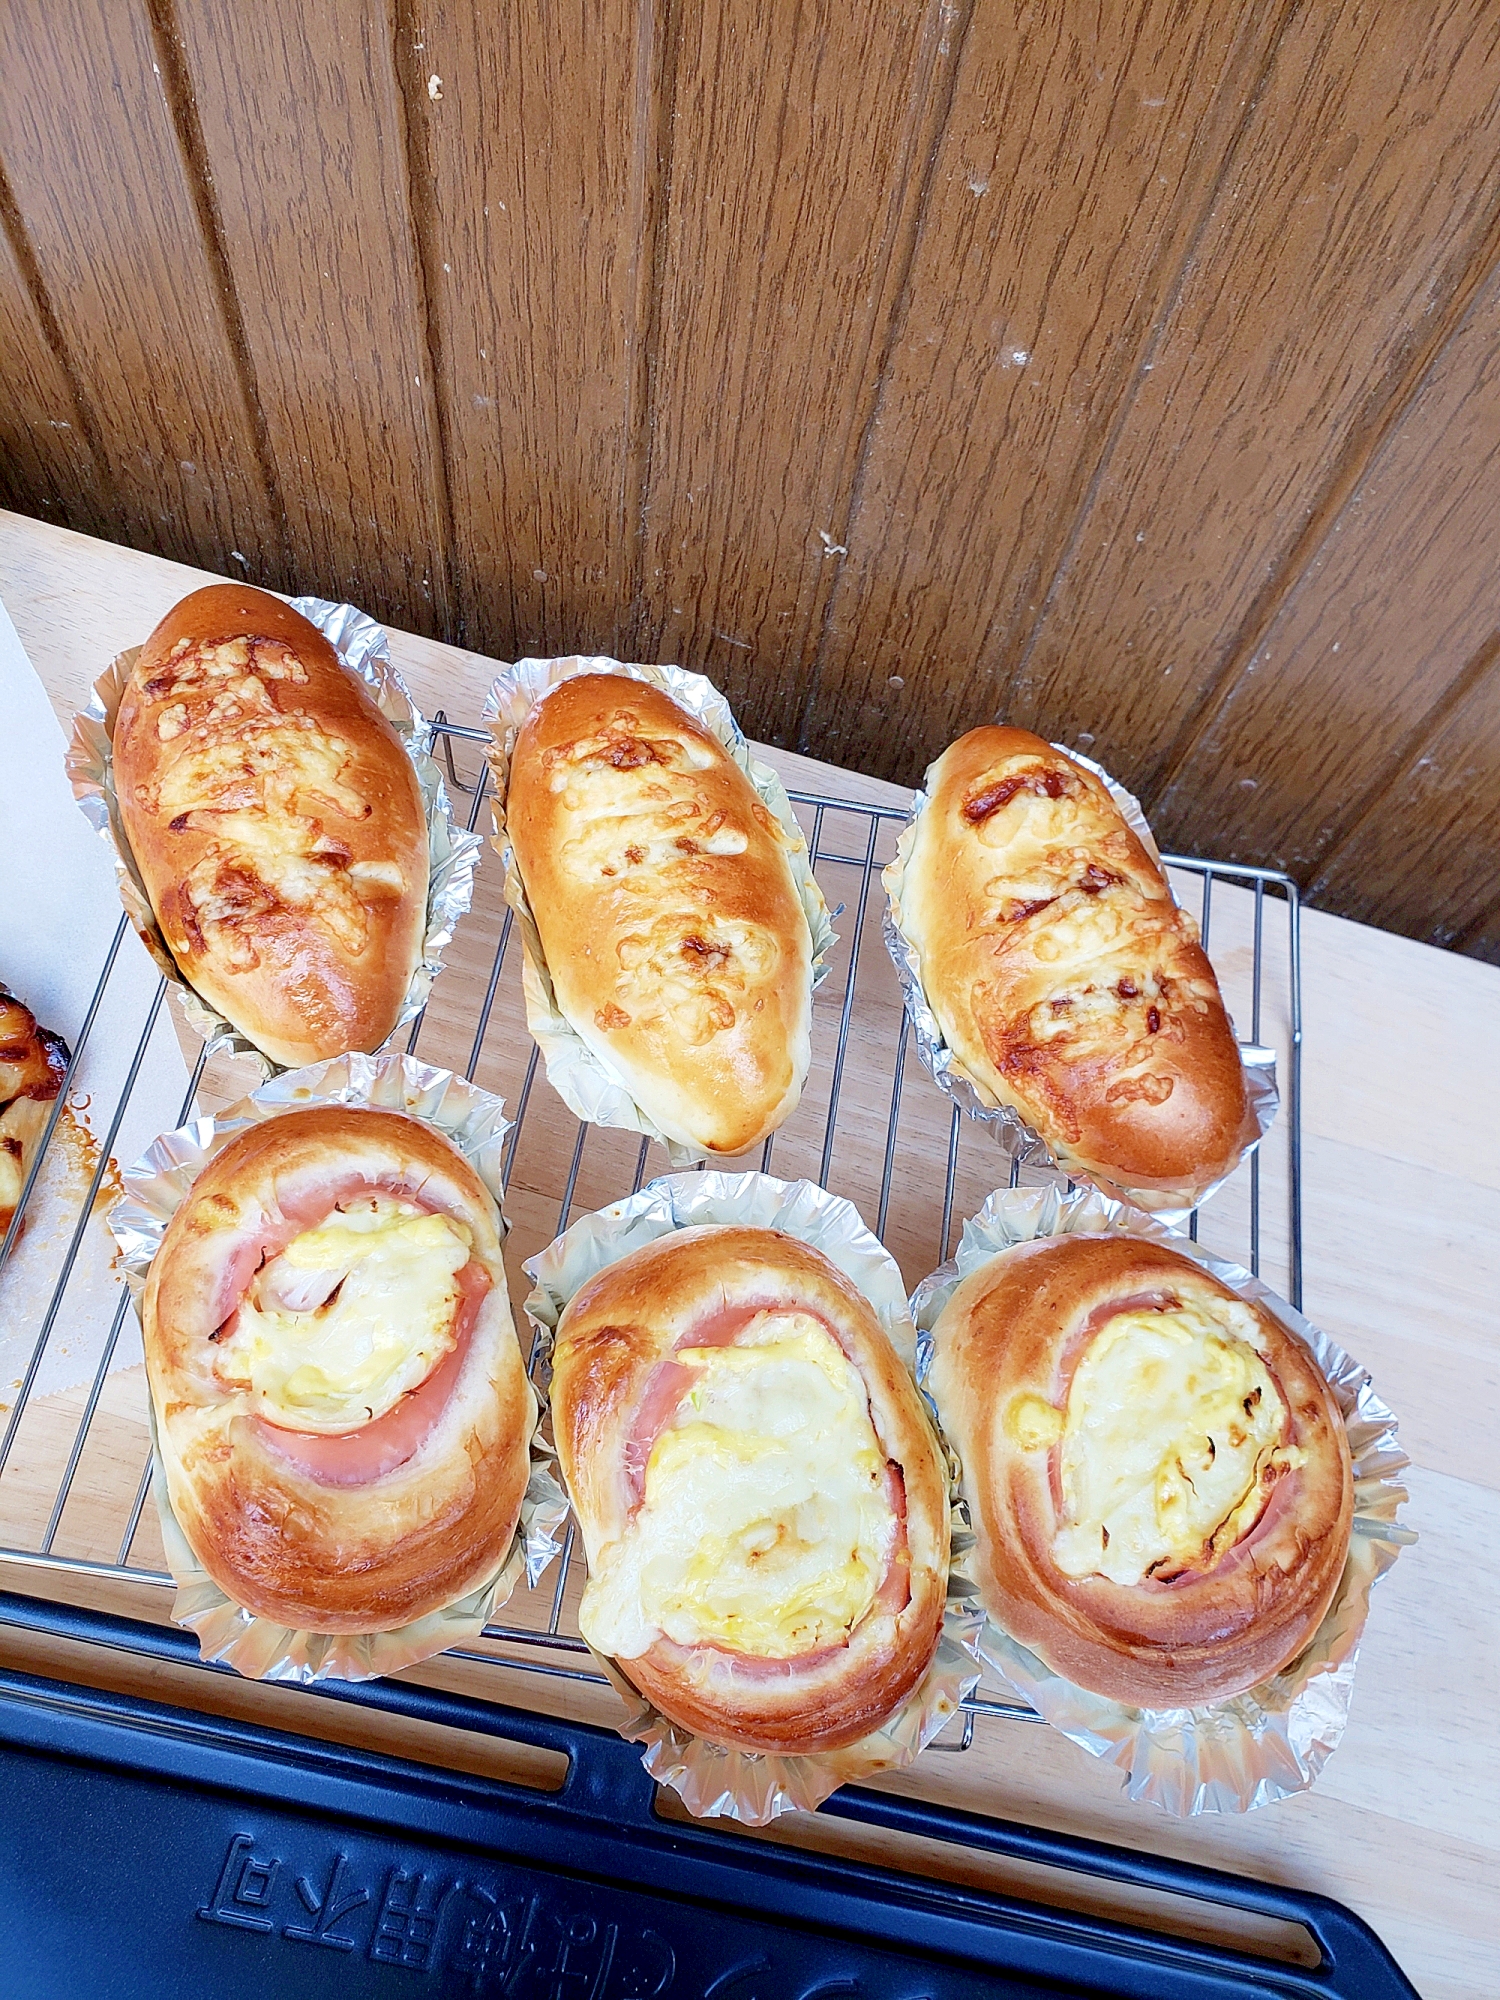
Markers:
point(1227, 1756)
point(1172, 1203)
point(452, 852)
point(588, 1086)
point(473, 1122)
point(714, 1780)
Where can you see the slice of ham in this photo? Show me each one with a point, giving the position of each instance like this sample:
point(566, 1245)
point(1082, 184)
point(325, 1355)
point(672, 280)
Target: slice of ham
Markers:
point(357, 1457)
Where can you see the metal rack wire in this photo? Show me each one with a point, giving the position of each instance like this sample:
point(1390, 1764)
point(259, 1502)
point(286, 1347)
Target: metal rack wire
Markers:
point(932, 1167)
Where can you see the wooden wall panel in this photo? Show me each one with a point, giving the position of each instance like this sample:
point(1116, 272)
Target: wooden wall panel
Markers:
point(304, 131)
point(1349, 218)
point(1386, 620)
point(1080, 150)
point(801, 135)
point(47, 465)
point(1125, 369)
point(534, 187)
point(92, 158)
point(1422, 861)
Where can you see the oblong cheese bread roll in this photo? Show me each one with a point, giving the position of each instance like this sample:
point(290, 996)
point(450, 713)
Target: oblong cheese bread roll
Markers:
point(341, 1407)
point(668, 912)
point(1157, 1473)
point(276, 822)
point(760, 1492)
point(1064, 977)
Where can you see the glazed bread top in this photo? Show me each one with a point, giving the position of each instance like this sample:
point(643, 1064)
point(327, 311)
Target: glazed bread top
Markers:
point(1064, 977)
point(1157, 1472)
point(667, 908)
point(759, 1489)
point(277, 824)
point(342, 1412)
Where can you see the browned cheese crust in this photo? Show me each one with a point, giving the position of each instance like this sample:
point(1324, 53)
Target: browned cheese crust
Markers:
point(668, 912)
point(33, 1062)
point(1064, 977)
point(276, 822)
point(615, 1333)
point(1017, 1327)
point(313, 1555)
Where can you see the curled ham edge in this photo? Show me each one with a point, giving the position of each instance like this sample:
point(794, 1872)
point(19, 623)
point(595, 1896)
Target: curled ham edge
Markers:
point(355, 1458)
point(665, 1388)
point(1274, 1504)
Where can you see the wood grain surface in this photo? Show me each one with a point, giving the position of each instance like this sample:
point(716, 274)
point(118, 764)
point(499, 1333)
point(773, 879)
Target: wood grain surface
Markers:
point(1097, 368)
point(1401, 1158)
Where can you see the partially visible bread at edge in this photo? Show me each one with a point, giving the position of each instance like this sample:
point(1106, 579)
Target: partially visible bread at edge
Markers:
point(668, 912)
point(614, 1357)
point(1007, 1348)
point(277, 824)
point(1064, 977)
point(362, 1553)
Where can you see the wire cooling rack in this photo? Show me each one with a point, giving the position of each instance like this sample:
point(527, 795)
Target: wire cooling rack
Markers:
point(75, 1460)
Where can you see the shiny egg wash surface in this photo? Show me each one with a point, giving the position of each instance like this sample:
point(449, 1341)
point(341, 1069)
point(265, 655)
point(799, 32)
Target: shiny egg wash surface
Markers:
point(1169, 1442)
point(352, 1314)
point(764, 1526)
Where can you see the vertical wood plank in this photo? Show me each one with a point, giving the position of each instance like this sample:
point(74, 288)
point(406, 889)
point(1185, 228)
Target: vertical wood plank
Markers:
point(1353, 212)
point(100, 185)
point(1422, 860)
point(1400, 597)
point(531, 172)
point(46, 463)
point(304, 131)
point(801, 139)
point(1079, 153)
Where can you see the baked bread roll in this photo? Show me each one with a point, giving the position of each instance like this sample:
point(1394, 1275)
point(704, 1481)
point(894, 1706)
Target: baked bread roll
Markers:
point(276, 822)
point(342, 1412)
point(33, 1063)
point(668, 912)
point(1064, 977)
point(1157, 1473)
point(760, 1492)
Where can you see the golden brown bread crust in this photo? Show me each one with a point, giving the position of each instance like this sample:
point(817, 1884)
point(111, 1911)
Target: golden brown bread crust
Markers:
point(1018, 1327)
point(276, 822)
point(1066, 980)
point(33, 1062)
point(612, 1338)
point(323, 1557)
point(670, 919)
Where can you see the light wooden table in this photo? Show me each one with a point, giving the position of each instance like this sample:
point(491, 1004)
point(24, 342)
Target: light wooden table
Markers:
point(1401, 1123)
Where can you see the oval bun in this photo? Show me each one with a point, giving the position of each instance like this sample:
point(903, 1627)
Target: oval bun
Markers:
point(1015, 1330)
point(312, 1552)
point(277, 824)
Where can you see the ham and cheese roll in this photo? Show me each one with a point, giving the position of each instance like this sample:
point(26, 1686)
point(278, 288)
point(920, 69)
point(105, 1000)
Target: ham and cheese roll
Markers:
point(761, 1495)
point(277, 824)
point(1157, 1473)
point(1064, 977)
point(341, 1407)
point(668, 912)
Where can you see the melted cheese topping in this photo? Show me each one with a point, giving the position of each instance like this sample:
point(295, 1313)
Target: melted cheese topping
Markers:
point(349, 1317)
point(1169, 1442)
point(764, 1526)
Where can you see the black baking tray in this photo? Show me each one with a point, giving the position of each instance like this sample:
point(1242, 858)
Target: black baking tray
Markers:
point(149, 1852)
